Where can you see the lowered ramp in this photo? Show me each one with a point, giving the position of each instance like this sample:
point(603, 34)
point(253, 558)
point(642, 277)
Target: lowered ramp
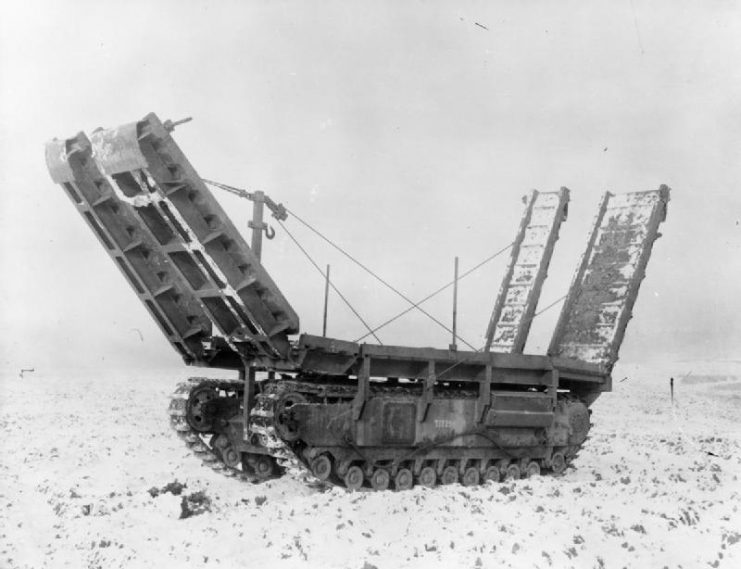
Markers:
point(600, 302)
point(528, 267)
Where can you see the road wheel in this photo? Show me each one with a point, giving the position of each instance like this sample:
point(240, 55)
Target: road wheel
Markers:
point(450, 475)
point(354, 478)
point(512, 473)
point(558, 463)
point(428, 477)
point(321, 467)
point(532, 469)
point(264, 466)
point(404, 479)
point(380, 479)
point(471, 476)
point(493, 474)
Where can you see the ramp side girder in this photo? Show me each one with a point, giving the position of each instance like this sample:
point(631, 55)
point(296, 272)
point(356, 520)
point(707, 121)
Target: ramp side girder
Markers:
point(146, 166)
point(528, 268)
point(600, 302)
point(132, 246)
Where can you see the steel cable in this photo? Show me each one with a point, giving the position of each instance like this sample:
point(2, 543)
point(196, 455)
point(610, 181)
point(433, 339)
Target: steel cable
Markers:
point(372, 331)
point(342, 296)
point(438, 291)
point(377, 277)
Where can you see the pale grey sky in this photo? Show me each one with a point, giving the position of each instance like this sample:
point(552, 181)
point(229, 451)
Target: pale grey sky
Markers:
point(407, 132)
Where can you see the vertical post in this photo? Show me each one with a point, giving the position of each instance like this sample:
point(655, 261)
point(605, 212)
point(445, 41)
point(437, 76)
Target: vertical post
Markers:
point(454, 345)
point(249, 374)
point(484, 401)
point(257, 225)
point(363, 389)
point(326, 301)
point(428, 392)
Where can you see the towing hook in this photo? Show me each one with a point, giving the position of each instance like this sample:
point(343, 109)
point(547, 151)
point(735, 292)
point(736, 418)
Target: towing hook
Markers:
point(269, 231)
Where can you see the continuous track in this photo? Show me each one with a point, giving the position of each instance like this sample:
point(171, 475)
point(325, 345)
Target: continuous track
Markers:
point(200, 409)
point(186, 402)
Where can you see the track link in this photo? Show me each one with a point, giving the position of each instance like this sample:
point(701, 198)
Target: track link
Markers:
point(201, 443)
point(262, 425)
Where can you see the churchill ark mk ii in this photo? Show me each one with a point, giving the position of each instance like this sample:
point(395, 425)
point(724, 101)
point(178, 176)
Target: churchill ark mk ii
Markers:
point(356, 414)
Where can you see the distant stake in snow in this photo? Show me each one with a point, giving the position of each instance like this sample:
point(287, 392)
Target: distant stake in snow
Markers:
point(355, 414)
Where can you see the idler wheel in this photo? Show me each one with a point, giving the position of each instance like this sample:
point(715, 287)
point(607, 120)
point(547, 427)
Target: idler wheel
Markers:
point(321, 467)
point(492, 473)
point(380, 479)
point(264, 466)
point(471, 476)
point(226, 451)
point(450, 475)
point(284, 422)
point(558, 463)
point(354, 478)
point(532, 469)
point(428, 477)
point(512, 472)
point(404, 479)
point(197, 413)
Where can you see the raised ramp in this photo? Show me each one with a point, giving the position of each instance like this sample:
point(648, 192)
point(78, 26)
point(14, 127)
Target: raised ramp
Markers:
point(133, 248)
point(605, 287)
point(528, 267)
point(175, 217)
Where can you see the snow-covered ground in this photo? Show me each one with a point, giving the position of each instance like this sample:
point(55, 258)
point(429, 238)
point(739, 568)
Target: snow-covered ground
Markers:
point(655, 486)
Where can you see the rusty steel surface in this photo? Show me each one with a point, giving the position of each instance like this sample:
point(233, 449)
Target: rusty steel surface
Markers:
point(528, 267)
point(600, 302)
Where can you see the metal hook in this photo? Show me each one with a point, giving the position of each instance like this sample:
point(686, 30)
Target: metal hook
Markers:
point(269, 231)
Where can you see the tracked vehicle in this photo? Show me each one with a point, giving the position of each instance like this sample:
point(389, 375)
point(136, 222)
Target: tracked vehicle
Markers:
point(355, 414)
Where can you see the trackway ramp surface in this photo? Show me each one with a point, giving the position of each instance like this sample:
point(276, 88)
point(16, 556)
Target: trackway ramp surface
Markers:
point(601, 298)
point(528, 267)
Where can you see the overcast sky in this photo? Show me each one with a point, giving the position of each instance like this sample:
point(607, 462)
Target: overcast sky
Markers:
point(409, 133)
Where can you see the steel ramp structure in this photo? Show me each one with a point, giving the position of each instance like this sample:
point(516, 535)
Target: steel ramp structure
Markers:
point(135, 251)
point(600, 302)
point(173, 241)
point(532, 250)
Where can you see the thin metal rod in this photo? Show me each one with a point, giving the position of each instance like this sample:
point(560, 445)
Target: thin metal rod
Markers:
point(454, 345)
point(374, 275)
point(257, 224)
point(334, 288)
point(438, 291)
point(326, 303)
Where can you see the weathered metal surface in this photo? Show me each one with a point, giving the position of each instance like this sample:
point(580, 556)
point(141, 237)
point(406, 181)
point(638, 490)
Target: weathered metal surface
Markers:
point(338, 357)
point(149, 173)
point(600, 301)
point(57, 161)
point(267, 316)
point(116, 150)
point(528, 267)
point(126, 237)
